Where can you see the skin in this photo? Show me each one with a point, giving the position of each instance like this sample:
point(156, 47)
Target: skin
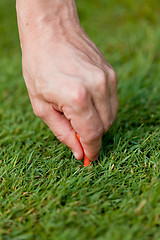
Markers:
point(71, 85)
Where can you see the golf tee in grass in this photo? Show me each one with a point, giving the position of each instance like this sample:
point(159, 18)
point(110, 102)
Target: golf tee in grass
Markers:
point(87, 162)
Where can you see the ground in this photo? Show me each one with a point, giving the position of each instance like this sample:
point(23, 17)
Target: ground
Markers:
point(44, 192)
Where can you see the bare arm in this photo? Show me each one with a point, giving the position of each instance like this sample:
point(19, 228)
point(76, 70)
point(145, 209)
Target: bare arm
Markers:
point(71, 86)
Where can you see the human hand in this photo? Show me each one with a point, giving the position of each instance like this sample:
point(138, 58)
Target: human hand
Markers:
point(71, 86)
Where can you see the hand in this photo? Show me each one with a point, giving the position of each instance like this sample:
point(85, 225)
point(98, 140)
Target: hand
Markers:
point(71, 86)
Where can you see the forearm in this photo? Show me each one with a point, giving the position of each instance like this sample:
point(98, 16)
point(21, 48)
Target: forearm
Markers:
point(35, 14)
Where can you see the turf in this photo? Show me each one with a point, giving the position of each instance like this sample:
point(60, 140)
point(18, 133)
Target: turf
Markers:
point(44, 192)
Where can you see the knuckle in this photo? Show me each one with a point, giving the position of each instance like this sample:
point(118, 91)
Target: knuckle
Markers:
point(108, 125)
point(38, 112)
point(43, 91)
point(61, 138)
point(101, 81)
point(113, 76)
point(79, 96)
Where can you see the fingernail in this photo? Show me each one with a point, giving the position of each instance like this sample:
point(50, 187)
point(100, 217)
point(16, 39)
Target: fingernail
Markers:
point(76, 155)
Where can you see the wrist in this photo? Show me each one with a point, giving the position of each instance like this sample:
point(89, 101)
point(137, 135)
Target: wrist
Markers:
point(33, 15)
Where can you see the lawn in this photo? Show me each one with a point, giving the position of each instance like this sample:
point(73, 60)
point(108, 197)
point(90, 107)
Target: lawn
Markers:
point(44, 192)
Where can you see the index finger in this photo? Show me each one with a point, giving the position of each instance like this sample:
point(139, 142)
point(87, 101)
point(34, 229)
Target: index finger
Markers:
point(87, 123)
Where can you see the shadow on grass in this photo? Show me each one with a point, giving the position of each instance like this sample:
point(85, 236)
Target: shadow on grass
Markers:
point(139, 117)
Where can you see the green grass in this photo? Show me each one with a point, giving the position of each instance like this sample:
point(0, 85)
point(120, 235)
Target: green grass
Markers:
point(44, 192)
